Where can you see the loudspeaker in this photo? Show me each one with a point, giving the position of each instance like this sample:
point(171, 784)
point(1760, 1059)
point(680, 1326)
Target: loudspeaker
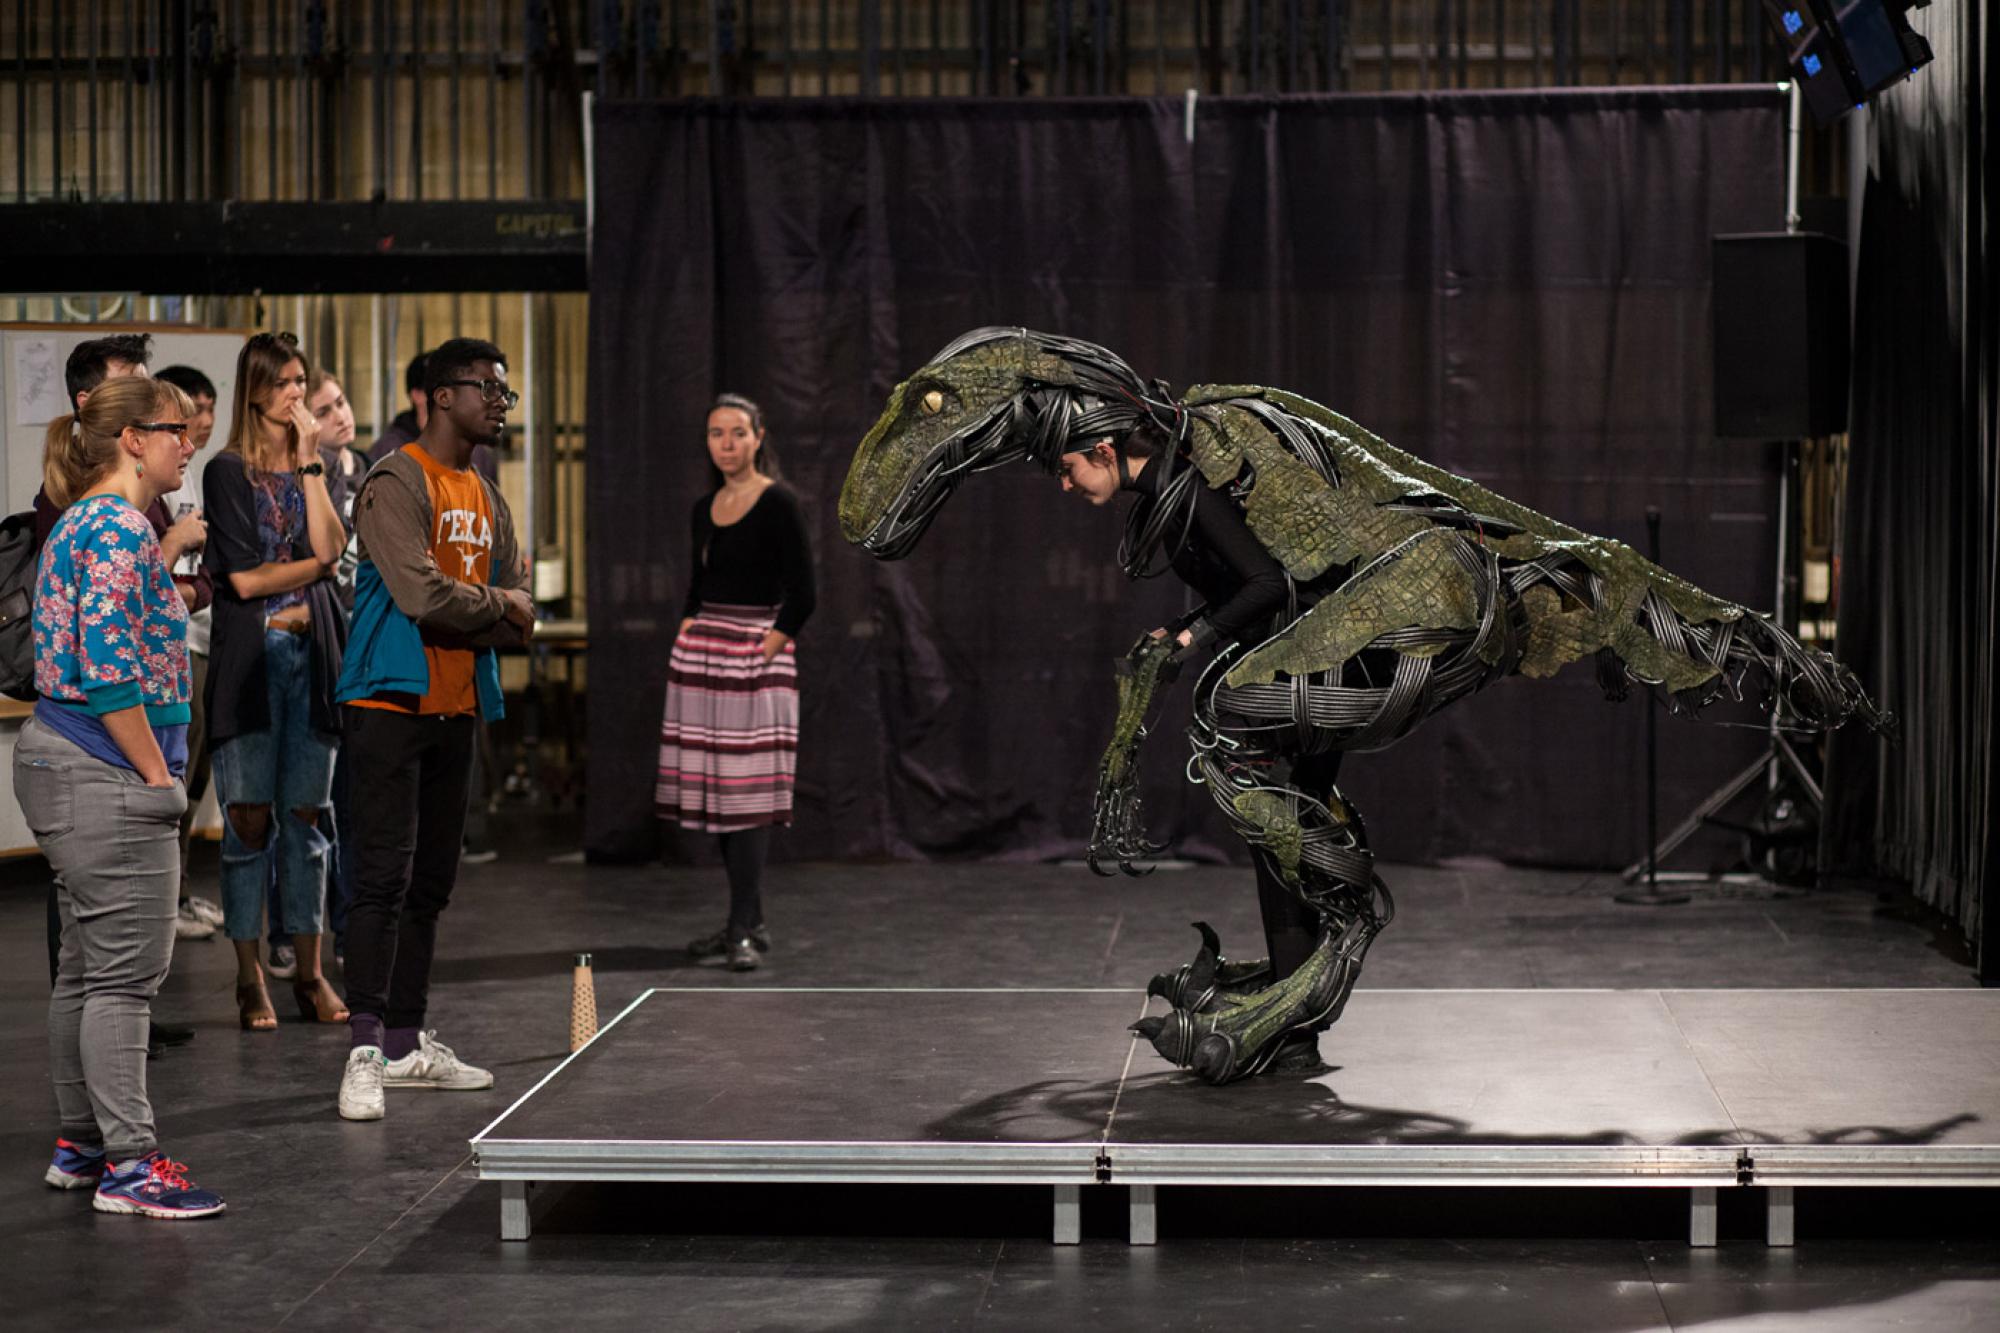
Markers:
point(1781, 344)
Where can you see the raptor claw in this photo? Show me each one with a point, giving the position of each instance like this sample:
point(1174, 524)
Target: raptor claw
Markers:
point(1209, 939)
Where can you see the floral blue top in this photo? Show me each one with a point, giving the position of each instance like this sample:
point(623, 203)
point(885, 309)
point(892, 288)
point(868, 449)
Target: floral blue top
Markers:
point(110, 629)
point(281, 519)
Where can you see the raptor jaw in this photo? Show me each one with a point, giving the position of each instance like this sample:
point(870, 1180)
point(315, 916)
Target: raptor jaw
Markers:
point(931, 482)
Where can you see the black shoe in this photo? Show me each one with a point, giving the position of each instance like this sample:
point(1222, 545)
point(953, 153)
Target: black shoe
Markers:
point(743, 954)
point(717, 945)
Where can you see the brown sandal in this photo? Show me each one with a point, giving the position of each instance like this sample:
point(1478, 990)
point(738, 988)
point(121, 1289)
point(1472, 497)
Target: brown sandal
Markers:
point(314, 997)
point(253, 1007)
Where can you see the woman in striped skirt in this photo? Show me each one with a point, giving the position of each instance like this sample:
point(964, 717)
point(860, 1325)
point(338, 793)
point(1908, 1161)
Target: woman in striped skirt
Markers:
point(729, 741)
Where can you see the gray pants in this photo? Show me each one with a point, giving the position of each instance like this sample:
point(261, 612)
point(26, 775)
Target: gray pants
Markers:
point(115, 847)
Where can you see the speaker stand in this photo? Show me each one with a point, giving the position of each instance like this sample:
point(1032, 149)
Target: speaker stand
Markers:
point(1779, 754)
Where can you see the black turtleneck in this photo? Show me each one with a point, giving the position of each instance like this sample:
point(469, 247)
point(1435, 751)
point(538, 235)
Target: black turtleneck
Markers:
point(1242, 584)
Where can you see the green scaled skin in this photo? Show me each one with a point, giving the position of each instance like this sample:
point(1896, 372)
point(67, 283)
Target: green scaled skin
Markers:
point(1423, 588)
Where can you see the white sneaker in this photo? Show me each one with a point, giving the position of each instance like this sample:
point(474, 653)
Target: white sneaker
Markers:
point(284, 964)
point(204, 909)
point(434, 1065)
point(361, 1084)
point(188, 926)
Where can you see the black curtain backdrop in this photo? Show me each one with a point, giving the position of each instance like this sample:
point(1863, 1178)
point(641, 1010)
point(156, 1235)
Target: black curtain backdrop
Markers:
point(1513, 285)
point(1919, 596)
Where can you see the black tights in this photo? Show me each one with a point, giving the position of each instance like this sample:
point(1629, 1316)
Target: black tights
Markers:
point(1291, 927)
point(743, 854)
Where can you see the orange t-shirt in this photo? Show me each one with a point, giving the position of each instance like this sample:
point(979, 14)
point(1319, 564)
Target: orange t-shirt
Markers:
point(462, 545)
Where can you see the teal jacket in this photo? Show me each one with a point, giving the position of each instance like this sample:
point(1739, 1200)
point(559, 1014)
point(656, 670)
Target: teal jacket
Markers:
point(399, 590)
point(385, 651)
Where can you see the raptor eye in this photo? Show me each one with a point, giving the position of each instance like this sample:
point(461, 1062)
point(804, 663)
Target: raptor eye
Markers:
point(933, 403)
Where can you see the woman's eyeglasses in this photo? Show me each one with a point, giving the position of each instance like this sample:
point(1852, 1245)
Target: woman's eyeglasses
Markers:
point(179, 428)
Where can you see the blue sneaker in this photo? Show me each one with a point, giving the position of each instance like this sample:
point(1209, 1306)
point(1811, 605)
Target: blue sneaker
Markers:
point(75, 1167)
point(153, 1186)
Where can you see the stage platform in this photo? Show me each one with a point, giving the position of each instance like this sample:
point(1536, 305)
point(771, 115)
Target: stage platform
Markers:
point(1703, 1090)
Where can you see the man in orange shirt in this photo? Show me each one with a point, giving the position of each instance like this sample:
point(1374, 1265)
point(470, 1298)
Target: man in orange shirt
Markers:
point(441, 583)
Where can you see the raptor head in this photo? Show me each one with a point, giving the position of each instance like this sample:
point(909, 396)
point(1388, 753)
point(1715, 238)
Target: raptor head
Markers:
point(993, 396)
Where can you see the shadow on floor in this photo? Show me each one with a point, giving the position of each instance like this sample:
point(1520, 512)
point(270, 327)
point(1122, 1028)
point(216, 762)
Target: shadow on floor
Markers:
point(1176, 1107)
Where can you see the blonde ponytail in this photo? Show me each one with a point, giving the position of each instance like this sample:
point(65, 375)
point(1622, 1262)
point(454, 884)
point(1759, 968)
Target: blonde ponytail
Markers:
point(69, 465)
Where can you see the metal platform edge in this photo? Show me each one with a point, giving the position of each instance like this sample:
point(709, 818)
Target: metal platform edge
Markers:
point(789, 1163)
point(1781, 1164)
point(1430, 1165)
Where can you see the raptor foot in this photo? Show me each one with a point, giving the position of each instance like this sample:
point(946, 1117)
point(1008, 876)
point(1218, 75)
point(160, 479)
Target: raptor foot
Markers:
point(1241, 1034)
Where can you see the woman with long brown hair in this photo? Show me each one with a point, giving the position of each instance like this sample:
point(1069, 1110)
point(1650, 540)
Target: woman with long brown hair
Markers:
point(97, 772)
point(274, 538)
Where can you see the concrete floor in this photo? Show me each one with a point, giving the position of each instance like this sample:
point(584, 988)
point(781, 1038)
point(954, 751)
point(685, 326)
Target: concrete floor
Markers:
point(383, 1226)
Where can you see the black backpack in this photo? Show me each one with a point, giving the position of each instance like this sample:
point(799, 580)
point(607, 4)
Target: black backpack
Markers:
point(17, 605)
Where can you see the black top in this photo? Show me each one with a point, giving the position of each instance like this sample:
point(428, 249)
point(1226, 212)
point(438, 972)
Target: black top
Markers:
point(1242, 583)
point(236, 698)
point(762, 559)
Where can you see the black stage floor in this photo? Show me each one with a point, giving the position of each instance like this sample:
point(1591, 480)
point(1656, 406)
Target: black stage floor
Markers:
point(387, 1226)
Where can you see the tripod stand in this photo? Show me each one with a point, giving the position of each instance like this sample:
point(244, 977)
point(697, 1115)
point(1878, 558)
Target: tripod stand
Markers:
point(1783, 831)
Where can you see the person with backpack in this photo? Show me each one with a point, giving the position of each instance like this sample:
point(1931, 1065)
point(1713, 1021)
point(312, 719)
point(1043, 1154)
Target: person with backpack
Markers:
point(97, 772)
point(92, 363)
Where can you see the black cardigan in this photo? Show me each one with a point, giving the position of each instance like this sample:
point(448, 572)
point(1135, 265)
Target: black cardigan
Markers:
point(236, 698)
point(762, 559)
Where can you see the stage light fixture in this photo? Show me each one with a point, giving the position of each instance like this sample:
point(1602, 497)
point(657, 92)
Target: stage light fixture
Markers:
point(1843, 52)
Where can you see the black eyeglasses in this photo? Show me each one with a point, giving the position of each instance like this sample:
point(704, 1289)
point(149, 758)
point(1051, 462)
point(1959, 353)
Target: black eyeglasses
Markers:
point(179, 428)
point(493, 391)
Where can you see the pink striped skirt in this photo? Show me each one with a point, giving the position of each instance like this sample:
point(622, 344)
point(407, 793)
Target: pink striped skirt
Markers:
point(729, 743)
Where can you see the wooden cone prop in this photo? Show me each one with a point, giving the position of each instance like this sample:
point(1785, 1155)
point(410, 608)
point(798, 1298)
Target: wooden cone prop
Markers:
point(582, 1004)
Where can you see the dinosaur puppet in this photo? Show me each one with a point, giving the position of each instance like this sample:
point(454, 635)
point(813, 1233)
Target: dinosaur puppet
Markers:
point(1409, 588)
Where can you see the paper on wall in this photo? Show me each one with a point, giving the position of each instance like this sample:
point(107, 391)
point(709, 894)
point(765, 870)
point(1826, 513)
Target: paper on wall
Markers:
point(39, 397)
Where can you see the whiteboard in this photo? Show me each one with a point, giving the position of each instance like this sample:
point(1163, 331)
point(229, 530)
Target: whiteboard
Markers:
point(32, 392)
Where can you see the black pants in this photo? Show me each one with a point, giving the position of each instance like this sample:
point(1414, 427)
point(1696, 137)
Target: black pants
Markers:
point(409, 779)
point(1291, 928)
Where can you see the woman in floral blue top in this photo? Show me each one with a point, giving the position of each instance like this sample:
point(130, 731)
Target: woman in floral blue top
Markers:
point(96, 771)
point(110, 631)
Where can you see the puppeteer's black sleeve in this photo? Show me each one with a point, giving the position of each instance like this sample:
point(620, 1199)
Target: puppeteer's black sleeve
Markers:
point(1260, 578)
